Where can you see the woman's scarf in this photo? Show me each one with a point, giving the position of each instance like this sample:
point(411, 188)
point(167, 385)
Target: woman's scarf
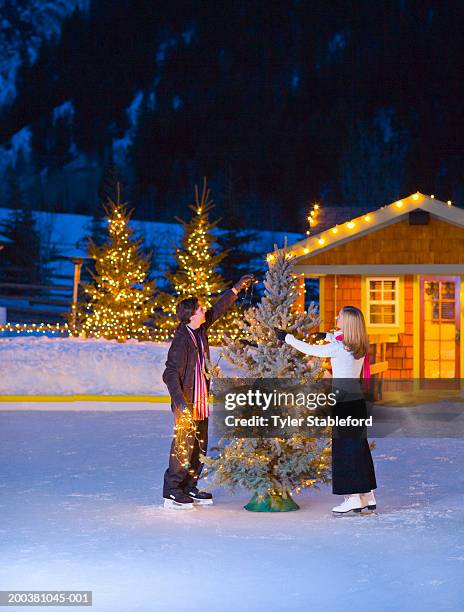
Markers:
point(201, 399)
point(366, 369)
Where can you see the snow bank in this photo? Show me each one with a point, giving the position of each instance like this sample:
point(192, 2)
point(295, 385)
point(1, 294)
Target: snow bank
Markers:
point(67, 366)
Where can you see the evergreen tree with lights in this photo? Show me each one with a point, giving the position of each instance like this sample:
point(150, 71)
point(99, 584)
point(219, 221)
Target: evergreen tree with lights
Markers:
point(196, 275)
point(120, 300)
point(273, 468)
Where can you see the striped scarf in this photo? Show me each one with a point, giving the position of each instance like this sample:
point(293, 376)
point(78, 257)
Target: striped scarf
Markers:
point(200, 401)
point(366, 369)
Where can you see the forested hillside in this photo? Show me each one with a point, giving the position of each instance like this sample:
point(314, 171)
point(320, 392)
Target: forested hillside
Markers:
point(279, 103)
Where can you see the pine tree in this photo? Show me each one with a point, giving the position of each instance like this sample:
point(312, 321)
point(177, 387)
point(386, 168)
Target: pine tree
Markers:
point(120, 299)
point(235, 239)
point(198, 258)
point(111, 183)
point(22, 259)
point(97, 227)
point(273, 468)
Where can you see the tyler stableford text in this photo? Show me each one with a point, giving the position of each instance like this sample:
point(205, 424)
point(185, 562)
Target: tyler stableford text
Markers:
point(257, 409)
point(289, 421)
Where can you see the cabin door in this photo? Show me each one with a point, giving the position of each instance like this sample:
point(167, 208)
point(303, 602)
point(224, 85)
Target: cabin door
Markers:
point(440, 327)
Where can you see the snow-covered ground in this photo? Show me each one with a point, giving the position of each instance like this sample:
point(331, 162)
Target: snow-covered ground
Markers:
point(68, 366)
point(80, 504)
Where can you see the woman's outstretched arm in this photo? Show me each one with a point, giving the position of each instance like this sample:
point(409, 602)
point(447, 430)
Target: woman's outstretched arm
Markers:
point(316, 350)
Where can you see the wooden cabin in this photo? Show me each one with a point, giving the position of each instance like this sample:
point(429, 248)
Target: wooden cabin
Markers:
point(403, 265)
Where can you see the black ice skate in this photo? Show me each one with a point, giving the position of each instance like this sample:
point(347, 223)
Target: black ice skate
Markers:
point(178, 501)
point(202, 498)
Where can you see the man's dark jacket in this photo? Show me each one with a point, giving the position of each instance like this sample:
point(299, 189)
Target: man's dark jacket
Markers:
point(179, 374)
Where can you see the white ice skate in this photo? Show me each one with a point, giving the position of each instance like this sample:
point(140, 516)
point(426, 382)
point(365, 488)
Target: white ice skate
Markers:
point(368, 501)
point(352, 503)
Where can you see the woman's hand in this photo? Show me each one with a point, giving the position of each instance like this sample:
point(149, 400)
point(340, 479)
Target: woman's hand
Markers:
point(280, 334)
point(319, 336)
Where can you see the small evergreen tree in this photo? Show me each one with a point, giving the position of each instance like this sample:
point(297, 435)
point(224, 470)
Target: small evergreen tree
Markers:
point(198, 259)
point(120, 299)
point(22, 259)
point(273, 468)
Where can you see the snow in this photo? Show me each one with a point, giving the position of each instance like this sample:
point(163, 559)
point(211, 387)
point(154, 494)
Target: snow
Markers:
point(68, 366)
point(122, 144)
point(81, 509)
point(67, 232)
point(19, 147)
point(64, 112)
point(24, 27)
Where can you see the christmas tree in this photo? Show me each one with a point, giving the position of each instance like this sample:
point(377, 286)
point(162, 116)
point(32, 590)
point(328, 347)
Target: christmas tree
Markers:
point(273, 468)
point(120, 298)
point(196, 274)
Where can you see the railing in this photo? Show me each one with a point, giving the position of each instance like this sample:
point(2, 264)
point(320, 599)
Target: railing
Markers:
point(379, 368)
point(35, 303)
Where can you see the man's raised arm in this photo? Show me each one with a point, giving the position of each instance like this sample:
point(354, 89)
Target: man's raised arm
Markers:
point(226, 300)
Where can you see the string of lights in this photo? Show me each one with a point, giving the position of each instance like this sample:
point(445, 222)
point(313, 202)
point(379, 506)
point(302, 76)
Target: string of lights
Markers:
point(185, 436)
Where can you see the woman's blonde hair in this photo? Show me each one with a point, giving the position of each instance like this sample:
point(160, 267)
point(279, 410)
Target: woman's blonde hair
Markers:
point(355, 336)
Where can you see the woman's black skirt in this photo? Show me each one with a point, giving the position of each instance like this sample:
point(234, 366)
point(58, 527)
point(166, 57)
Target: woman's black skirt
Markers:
point(352, 465)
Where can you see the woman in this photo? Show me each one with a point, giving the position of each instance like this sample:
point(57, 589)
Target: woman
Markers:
point(352, 466)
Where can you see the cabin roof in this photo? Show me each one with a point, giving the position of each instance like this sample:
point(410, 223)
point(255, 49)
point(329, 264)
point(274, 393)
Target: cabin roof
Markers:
point(368, 222)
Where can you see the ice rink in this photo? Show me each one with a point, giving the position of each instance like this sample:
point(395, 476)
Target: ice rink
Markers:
point(81, 508)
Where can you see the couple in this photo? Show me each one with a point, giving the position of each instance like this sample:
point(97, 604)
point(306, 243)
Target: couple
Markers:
point(186, 378)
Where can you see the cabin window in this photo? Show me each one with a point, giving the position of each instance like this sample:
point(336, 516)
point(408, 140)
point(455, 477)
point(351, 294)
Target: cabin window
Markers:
point(383, 301)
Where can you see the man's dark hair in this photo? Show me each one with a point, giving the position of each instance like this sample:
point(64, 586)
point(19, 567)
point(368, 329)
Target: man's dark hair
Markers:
point(186, 308)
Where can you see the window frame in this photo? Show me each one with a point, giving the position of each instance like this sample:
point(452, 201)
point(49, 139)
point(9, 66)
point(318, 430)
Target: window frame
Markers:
point(396, 302)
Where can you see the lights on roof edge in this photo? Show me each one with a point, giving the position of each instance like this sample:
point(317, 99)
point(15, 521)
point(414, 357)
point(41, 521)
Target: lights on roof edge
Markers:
point(351, 224)
point(313, 217)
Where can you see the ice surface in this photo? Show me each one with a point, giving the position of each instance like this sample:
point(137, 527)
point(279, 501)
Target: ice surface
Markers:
point(80, 502)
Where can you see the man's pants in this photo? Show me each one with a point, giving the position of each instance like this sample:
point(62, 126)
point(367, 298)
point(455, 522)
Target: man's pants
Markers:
point(186, 447)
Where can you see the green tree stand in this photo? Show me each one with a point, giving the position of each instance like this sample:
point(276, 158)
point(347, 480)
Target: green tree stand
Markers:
point(271, 503)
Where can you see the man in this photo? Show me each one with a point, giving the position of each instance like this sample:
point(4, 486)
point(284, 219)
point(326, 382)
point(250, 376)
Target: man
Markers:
point(188, 385)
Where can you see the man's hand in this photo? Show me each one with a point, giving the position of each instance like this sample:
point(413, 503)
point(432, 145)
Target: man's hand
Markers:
point(280, 333)
point(245, 281)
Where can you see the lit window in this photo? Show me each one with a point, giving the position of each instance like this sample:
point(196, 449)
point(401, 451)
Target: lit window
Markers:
point(382, 301)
